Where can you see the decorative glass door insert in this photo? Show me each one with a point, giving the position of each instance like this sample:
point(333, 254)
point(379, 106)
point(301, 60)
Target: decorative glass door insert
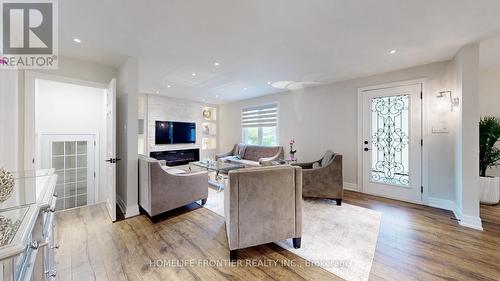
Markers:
point(390, 131)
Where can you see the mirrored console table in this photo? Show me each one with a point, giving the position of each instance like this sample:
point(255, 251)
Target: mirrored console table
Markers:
point(26, 228)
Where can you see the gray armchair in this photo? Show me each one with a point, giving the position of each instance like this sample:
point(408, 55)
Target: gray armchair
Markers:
point(263, 205)
point(323, 178)
point(163, 188)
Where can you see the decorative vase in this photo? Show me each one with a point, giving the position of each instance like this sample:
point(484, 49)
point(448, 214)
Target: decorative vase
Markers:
point(489, 189)
point(8, 230)
point(6, 184)
point(292, 152)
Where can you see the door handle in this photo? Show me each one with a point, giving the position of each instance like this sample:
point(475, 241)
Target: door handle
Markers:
point(113, 160)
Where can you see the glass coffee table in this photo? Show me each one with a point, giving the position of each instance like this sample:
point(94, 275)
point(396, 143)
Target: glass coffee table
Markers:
point(221, 170)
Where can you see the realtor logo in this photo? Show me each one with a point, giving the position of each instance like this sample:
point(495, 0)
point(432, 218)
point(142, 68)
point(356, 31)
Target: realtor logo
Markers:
point(29, 34)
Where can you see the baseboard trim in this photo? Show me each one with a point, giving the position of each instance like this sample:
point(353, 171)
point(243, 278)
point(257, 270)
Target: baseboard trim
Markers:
point(471, 222)
point(350, 186)
point(121, 204)
point(132, 211)
point(457, 212)
point(441, 203)
point(128, 211)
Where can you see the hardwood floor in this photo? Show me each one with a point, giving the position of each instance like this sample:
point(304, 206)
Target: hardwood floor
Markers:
point(93, 248)
point(422, 243)
point(415, 243)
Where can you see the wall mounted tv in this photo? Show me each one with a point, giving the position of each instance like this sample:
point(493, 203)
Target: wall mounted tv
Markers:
point(168, 132)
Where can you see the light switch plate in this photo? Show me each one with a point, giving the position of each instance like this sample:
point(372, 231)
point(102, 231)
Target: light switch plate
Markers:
point(440, 130)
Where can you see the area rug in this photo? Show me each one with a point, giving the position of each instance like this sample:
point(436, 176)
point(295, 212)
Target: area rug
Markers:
point(340, 239)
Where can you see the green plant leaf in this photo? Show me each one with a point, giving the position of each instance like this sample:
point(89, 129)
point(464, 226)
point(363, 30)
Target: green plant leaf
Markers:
point(489, 134)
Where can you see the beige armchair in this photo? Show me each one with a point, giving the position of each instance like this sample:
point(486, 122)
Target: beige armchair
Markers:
point(163, 188)
point(323, 178)
point(263, 205)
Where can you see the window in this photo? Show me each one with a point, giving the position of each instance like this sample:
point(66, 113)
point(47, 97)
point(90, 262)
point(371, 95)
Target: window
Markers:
point(260, 124)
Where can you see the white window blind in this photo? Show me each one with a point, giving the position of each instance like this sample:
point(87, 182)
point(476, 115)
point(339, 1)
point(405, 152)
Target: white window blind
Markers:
point(260, 116)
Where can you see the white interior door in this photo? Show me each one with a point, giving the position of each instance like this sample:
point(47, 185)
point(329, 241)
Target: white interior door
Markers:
point(73, 158)
point(110, 193)
point(392, 135)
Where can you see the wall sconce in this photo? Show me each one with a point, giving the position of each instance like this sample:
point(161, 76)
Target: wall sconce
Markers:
point(454, 101)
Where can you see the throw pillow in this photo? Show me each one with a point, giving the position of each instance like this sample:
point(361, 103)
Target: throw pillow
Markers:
point(327, 158)
point(316, 165)
point(240, 151)
point(174, 171)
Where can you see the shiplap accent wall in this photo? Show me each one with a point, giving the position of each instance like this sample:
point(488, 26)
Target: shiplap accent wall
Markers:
point(162, 108)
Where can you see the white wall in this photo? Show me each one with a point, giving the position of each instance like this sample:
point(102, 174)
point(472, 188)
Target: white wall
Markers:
point(142, 111)
point(68, 68)
point(69, 108)
point(325, 117)
point(466, 63)
point(489, 99)
point(9, 128)
point(127, 128)
point(63, 108)
point(161, 108)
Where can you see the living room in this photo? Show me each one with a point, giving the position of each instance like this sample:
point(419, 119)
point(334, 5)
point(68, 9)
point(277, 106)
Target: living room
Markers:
point(300, 140)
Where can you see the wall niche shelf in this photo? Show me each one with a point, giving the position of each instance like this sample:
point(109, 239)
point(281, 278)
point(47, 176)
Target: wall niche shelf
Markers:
point(209, 114)
point(209, 130)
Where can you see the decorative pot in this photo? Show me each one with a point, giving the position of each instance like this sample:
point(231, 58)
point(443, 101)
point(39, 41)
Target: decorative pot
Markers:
point(6, 184)
point(489, 190)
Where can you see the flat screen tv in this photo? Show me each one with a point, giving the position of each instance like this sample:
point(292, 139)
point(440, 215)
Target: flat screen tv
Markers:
point(168, 132)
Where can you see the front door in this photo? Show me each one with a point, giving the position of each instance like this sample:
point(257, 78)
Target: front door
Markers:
point(392, 135)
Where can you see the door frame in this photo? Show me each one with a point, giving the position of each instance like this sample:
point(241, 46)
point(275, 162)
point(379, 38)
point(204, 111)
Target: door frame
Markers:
point(29, 146)
point(424, 129)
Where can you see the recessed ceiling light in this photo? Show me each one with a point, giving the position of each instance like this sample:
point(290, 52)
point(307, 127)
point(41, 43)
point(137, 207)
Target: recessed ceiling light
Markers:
point(77, 40)
point(244, 89)
point(203, 100)
point(217, 96)
point(216, 63)
point(282, 84)
point(194, 74)
point(169, 86)
point(269, 83)
point(392, 52)
point(157, 92)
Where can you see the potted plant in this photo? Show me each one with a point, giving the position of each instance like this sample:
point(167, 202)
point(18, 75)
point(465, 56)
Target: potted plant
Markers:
point(489, 156)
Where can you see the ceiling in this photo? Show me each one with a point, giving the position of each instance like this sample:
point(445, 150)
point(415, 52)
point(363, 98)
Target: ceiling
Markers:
point(261, 41)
